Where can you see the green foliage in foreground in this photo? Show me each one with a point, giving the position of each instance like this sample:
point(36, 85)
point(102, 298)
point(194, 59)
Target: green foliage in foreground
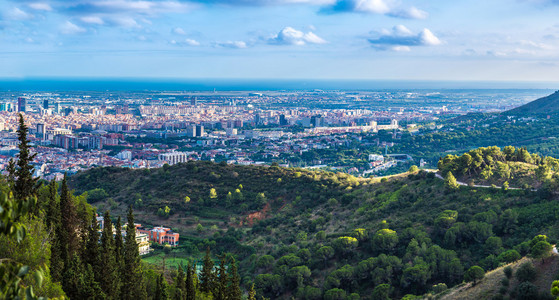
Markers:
point(326, 235)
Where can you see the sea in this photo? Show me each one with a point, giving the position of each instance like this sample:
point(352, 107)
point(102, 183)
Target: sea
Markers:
point(158, 84)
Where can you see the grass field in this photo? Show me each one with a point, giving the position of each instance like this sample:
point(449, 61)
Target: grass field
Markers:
point(172, 260)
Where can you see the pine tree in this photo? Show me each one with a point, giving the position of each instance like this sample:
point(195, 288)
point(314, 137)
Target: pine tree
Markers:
point(180, 285)
point(132, 285)
point(110, 280)
point(21, 172)
point(220, 289)
point(207, 275)
point(234, 290)
point(450, 181)
point(190, 279)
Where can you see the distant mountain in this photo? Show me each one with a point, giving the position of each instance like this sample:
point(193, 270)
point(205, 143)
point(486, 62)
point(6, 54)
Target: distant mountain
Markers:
point(545, 105)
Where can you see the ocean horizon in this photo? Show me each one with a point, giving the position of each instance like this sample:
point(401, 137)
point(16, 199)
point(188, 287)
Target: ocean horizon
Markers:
point(158, 84)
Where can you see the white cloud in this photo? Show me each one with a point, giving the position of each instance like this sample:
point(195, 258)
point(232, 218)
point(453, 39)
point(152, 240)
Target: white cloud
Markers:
point(191, 42)
point(400, 38)
point(383, 7)
point(18, 14)
point(40, 6)
point(71, 28)
point(92, 20)
point(232, 44)
point(291, 36)
point(124, 21)
point(140, 7)
point(179, 31)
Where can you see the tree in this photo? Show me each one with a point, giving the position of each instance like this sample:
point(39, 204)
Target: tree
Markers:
point(541, 249)
point(220, 288)
point(190, 282)
point(53, 220)
point(413, 169)
point(180, 284)
point(252, 293)
point(161, 289)
point(119, 247)
point(21, 173)
point(555, 289)
point(234, 291)
point(67, 231)
point(526, 272)
point(207, 277)
point(91, 253)
point(132, 285)
point(110, 279)
point(385, 239)
point(381, 292)
point(527, 291)
point(474, 274)
point(450, 181)
point(213, 193)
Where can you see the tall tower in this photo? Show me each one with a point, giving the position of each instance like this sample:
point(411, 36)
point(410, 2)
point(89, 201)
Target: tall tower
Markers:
point(46, 104)
point(21, 104)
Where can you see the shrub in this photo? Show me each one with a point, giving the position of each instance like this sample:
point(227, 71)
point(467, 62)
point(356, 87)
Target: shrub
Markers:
point(526, 272)
point(508, 271)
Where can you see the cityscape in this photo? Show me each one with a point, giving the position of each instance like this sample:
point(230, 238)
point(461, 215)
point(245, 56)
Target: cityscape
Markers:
point(77, 131)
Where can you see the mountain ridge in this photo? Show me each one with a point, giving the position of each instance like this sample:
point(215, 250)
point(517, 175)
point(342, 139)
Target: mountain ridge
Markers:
point(545, 105)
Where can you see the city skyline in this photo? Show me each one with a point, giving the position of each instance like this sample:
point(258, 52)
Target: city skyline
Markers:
point(514, 40)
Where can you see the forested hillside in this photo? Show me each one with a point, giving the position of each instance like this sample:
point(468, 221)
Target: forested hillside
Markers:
point(321, 235)
point(511, 166)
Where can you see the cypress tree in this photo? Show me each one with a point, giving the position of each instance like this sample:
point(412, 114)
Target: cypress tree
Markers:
point(67, 230)
point(220, 289)
point(132, 286)
point(52, 214)
point(234, 290)
point(207, 275)
point(110, 280)
point(180, 285)
point(190, 279)
point(119, 247)
point(161, 289)
point(53, 222)
point(252, 293)
point(21, 172)
point(91, 254)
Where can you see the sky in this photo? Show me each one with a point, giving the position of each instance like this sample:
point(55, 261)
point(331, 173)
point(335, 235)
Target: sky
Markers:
point(466, 40)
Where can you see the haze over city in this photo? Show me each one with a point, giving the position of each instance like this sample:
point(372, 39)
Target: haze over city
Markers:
point(498, 40)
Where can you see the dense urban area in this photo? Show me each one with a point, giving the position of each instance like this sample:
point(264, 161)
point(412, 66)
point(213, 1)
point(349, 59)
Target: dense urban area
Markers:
point(353, 132)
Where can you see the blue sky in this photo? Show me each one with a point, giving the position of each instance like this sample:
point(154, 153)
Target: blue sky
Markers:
point(503, 40)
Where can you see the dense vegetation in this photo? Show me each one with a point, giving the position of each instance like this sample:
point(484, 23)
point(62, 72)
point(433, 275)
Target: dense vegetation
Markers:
point(55, 237)
point(321, 235)
point(491, 165)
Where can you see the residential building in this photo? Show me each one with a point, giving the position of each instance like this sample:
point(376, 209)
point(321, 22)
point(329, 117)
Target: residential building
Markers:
point(160, 235)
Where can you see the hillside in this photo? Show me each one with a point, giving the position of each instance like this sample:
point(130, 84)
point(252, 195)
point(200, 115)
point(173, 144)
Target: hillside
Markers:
point(492, 287)
point(320, 235)
point(510, 166)
point(545, 105)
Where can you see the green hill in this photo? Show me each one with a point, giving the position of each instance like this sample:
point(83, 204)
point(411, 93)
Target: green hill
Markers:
point(511, 166)
point(545, 105)
point(322, 235)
